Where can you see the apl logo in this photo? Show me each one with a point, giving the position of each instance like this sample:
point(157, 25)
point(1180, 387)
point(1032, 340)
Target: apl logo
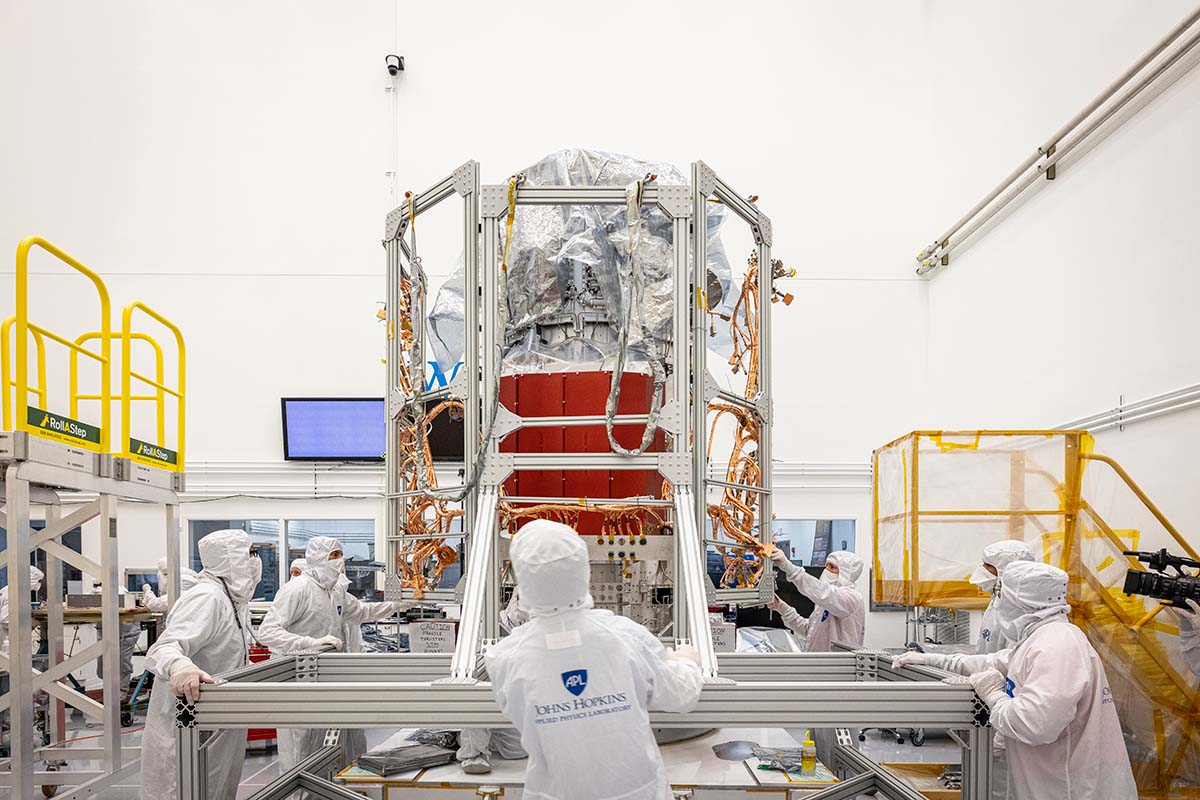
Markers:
point(575, 681)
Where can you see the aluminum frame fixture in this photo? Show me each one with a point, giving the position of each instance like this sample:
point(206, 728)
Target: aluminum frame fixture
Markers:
point(1055, 148)
point(691, 389)
point(35, 472)
point(845, 688)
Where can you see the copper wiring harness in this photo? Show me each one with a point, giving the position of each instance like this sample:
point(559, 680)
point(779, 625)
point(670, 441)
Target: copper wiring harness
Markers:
point(733, 517)
point(423, 561)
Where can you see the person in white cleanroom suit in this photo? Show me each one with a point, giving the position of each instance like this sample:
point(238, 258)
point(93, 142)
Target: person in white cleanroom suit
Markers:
point(475, 745)
point(311, 612)
point(996, 557)
point(840, 614)
point(297, 568)
point(35, 583)
point(207, 632)
point(1189, 635)
point(158, 602)
point(578, 683)
point(1049, 696)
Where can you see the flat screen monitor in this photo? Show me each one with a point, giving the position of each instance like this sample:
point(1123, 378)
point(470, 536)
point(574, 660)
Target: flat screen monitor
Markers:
point(333, 428)
point(354, 429)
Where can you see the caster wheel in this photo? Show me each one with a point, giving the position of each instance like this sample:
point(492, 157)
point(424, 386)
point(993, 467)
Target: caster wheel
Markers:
point(899, 739)
point(862, 737)
point(918, 738)
point(126, 719)
point(49, 791)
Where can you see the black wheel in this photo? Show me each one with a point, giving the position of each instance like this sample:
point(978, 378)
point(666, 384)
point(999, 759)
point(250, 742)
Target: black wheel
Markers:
point(126, 719)
point(918, 737)
point(899, 739)
point(862, 737)
point(49, 791)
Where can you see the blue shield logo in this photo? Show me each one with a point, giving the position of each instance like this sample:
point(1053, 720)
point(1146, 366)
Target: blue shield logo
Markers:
point(575, 681)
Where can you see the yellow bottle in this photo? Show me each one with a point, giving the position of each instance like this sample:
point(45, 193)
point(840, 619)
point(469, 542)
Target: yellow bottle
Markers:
point(808, 756)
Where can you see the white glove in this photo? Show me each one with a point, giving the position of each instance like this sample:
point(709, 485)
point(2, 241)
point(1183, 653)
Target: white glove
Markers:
point(1193, 605)
point(148, 595)
point(785, 566)
point(186, 678)
point(990, 685)
point(777, 605)
point(320, 643)
point(913, 658)
point(685, 652)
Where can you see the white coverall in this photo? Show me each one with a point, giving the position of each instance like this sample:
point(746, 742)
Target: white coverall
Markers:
point(208, 627)
point(158, 602)
point(579, 683)
point(840, 613)
point(307, 610)
point(999, 555)
point(1189, 636)
point(1051, 700)
point(475, 744)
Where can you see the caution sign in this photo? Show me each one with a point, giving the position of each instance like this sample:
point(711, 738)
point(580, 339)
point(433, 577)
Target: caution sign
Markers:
point(62, 429)
point(152, 455)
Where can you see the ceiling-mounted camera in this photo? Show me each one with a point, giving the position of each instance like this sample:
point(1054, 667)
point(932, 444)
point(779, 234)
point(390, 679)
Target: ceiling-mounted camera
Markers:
point(395, 64)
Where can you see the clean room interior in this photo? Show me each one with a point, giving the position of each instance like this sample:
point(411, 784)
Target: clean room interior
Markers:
point(235, 169)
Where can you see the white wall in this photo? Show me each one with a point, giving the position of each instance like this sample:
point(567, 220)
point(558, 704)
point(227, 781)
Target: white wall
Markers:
point(230, 164)
point(1084, 295)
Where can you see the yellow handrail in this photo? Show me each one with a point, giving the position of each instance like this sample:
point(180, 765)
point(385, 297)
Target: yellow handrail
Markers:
point(127, 374)
point(6, 380)
point(24, 326)
point(159, 398)
point(1146, 501)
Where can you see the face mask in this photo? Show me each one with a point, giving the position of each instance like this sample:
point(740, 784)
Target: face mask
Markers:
point(326, 572)
point(984, 579)
point(242, 585)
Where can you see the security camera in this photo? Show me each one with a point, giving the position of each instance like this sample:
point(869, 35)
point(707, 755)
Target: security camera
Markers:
point(395, 65)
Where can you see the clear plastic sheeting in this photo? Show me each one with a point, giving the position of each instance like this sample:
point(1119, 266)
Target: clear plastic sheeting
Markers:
point(765, 640)
point(563, 266)
point(941, 497)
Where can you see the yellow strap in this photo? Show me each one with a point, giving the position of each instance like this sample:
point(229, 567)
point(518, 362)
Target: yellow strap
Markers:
point(508, 223)
point(412, 218)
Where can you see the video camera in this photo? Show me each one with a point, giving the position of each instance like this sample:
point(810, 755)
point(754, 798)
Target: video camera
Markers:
point(1174, 589)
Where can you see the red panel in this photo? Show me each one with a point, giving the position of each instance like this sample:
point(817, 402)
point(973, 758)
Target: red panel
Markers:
point(578, 394)
point(540, 396)
point(586, 393)
point(508, 398)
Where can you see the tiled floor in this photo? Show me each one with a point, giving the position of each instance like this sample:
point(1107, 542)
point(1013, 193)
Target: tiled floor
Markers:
point(262, 766)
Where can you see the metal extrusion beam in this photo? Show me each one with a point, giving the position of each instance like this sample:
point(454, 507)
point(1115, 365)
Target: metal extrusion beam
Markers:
point(479, 569)
point(850, 759)
point(576, 195)
point(321, 762)
point(689, 553)
point(377, 704)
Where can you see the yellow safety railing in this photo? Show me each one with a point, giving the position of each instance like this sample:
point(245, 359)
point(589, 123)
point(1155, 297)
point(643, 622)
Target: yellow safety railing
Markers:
point(132, 448)
point(50, 425)
point(159, 397)
point(6, 380)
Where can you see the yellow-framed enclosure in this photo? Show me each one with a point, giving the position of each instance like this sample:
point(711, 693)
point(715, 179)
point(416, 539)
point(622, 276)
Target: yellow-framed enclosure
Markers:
point(940, 497)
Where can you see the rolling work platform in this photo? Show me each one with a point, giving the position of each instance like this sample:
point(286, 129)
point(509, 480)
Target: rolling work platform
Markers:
point(704, 439)
point(50, 459)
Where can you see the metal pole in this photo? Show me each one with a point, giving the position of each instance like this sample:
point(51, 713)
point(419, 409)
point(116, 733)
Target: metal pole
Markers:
point(1063, 151)
point(110, 633)
point(935, 248)
point(174, 563)
point(56, 710)
point(765, 421)
point(20, 642)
